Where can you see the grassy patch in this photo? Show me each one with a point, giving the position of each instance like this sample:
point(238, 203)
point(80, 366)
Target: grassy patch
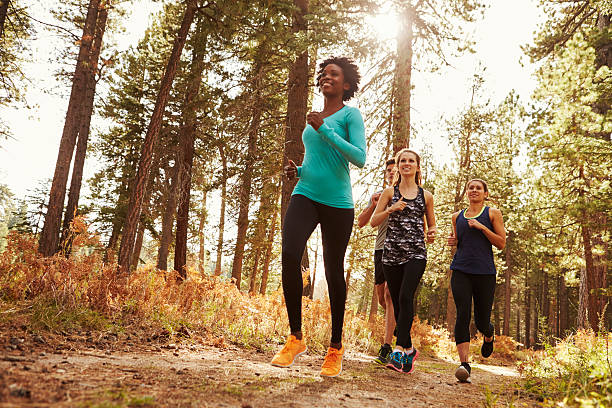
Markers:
point(50, 316)
point(577, 372)
point(120, 399)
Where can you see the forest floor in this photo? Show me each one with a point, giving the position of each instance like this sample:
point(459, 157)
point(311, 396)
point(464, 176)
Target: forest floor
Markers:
point(135, 370)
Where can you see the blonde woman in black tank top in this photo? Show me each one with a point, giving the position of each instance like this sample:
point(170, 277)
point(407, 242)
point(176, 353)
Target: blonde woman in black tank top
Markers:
point(410, 212)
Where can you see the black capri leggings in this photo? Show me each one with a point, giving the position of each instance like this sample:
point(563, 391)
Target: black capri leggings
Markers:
point(301, 218)
point(402, 281)
point(481, 288)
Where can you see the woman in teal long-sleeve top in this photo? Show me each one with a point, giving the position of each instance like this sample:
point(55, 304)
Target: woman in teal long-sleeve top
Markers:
point(332, 138)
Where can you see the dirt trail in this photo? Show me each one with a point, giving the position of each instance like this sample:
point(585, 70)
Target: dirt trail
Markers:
point(127, 374)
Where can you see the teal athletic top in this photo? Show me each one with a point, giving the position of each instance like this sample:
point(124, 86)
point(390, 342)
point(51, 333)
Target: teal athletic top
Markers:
point(324, 174)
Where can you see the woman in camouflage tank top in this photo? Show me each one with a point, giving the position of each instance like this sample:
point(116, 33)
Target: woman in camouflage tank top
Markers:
point(409, 209)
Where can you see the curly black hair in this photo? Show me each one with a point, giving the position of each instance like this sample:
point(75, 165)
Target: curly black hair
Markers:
point(350, 71)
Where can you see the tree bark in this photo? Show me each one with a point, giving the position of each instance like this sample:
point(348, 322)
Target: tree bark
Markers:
point(144, 217)
point(187, 149)
point(591, 277)
point(118, 219)
point(253, 277)
point(537, 310)
point(563, 306)
point(138, 244)
point(583, 300)
point(3, 13)
point(84, 128)
point(527, 313)
point(403, 78)
point(168, 219)
point(144, 166)
point(297, 101)
point(49, 236)
point(545, 298)
point(224, 177)
point(518, 324)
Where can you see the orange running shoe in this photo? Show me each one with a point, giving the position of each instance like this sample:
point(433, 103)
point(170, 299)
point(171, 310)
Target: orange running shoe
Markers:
point(332, 365)
point(287, 355)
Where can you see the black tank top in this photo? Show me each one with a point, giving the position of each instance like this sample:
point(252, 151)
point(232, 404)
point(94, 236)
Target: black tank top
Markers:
point(405, 237)
point(474, 251)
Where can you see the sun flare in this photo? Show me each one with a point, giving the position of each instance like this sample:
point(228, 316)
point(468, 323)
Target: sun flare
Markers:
point(385, 24)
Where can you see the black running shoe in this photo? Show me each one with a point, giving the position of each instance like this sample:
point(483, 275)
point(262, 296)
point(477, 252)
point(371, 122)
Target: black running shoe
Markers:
point(463, 373)
point(487, 347)
point(409, 364)
point(383, 354)
point(397, 361)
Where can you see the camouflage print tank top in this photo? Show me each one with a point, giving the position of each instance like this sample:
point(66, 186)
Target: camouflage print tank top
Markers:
point(405, 237)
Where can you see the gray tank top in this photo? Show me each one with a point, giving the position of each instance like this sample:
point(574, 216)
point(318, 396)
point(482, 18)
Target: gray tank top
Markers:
point(382, 231)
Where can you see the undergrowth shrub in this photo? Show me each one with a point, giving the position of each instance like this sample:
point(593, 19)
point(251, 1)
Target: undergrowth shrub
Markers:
point(88, 291)
point(577, 371)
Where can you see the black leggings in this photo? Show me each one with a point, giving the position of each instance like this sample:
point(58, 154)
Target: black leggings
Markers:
point(402, 281)
point(301, 219)
point(481, 288)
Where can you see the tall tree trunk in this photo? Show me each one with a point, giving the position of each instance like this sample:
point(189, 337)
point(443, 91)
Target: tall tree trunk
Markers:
point(118, 219)
point(111, 246)
point(144, 166)
point(597, 301)
point(563, 306)
point(604, 57)
point(244, 195)
point(508, 285)
point(138, 244)
point(254, 271)
point(545, 299)
point(297, 100)
point(269, 242)
point(168, 219)
point(591, 277)
point(201, 238)
point(527, 312)
point(403, 78)
point(83, 136)
point(187, 149)
point(259, 236)
point(583, 300)
point(144, 218)
point(222, 212)
point(3, 13)
point(518, 324)
point(49, 236)
point(537, 310)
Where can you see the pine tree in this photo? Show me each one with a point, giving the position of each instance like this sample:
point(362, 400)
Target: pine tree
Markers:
point(137, 194)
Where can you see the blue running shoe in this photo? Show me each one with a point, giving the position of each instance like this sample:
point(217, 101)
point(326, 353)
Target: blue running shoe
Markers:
point(397, 361)
point(409, 364)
